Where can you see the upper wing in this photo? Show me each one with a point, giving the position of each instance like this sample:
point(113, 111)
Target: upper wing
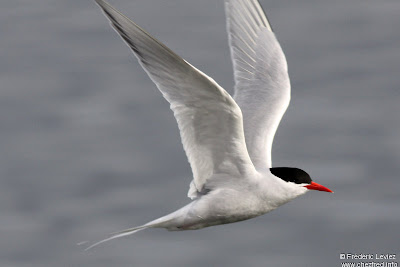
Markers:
point(262, 86)
point(210, 122)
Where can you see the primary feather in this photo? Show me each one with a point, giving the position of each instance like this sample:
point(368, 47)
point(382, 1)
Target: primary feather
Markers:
point(209, 120)
point(262, 86)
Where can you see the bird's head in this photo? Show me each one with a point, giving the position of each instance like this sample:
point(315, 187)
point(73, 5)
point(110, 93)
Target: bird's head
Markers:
point(299, 177)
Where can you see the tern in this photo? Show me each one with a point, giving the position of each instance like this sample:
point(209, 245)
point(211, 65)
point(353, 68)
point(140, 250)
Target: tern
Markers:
point(227, 139)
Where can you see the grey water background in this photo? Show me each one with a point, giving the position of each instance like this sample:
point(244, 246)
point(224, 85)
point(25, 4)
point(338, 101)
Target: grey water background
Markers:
point(89, 146)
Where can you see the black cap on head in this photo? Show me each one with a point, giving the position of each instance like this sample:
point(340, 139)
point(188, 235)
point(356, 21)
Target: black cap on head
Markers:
point(294, 175)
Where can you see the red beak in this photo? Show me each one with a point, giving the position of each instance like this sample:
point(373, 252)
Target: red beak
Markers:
point(315, 186)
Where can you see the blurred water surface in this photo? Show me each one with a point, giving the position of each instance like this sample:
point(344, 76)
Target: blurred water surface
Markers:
point(89, 146)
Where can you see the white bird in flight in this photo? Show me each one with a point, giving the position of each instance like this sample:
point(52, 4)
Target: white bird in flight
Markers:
point(227, 140)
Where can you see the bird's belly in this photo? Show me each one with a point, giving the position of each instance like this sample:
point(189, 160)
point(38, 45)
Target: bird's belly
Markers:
point(211, 221)
point(222, 208)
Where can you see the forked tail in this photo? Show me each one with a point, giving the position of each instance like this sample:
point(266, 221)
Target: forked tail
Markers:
point(120, 234)
point(163, 222)
point(171, 222)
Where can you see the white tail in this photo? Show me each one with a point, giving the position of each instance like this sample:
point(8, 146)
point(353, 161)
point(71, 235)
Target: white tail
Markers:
point(120, 234)
point(171, 222)
point(163, 222)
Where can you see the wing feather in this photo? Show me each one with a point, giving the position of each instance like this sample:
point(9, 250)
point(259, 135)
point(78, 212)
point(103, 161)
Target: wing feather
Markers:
point(262, 85)
point(210, 121)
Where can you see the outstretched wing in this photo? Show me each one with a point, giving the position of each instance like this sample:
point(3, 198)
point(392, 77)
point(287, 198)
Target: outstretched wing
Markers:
point(210, 122)
point(262, 86)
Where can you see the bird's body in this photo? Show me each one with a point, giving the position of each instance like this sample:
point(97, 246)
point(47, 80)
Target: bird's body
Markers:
point(232, 199)
point(227, 140)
